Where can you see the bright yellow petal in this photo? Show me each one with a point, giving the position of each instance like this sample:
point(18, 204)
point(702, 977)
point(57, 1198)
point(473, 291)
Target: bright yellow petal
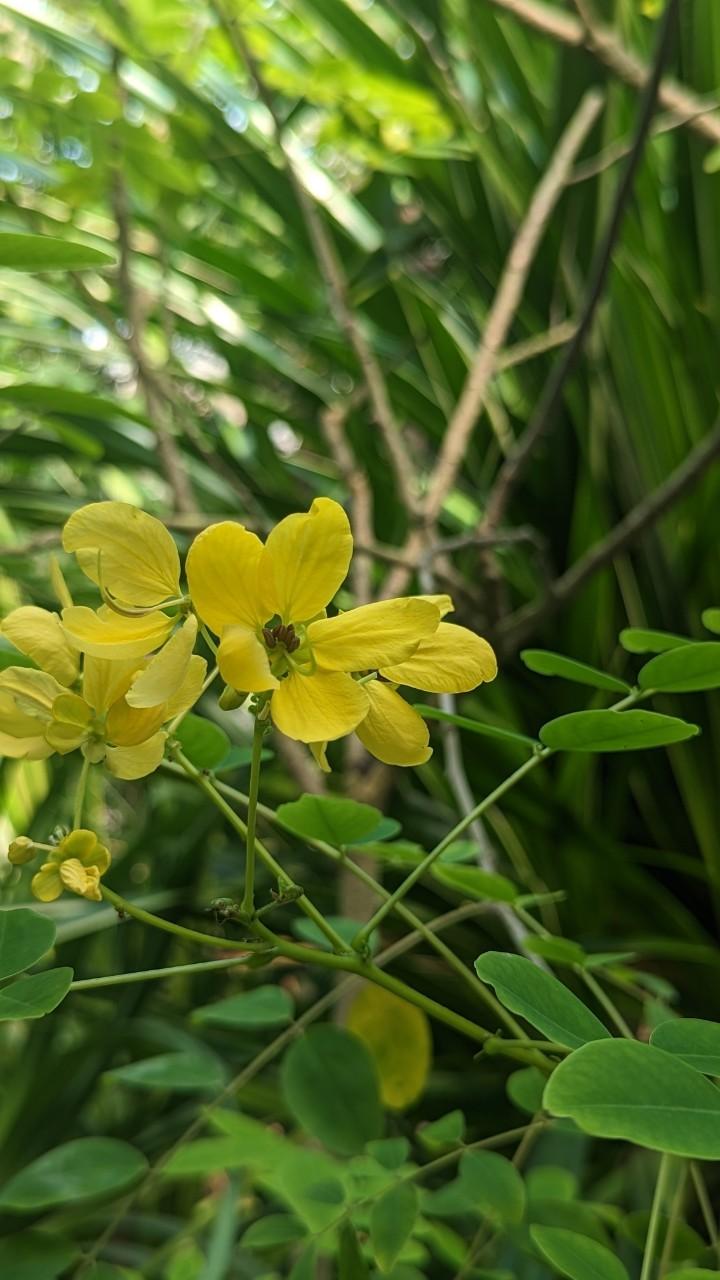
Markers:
point(319, 755)
point(46, 883)
point(373, 635)
point(108, 635)
point(306, 559)
point(453, 660)
point(14, 748)
point(222, 573)
point(128, 552)
point(243, 661)
point(318, 708)
point(393, 731)
point(137, 762)
point(60, 587)
point(107, 679)
point(84, 881)
point(78, 843)
point(39, 634)
point(164, 674)
point(127, 726)
point(27, 693)
point(443, 603)
point(190, 689)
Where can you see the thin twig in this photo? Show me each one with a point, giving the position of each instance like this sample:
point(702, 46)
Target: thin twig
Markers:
point(561, 26)
point(506, 301)
point(514, 467)
point(515, 629)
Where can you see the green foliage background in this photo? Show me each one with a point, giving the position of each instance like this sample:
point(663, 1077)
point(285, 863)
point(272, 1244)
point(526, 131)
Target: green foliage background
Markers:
point(421, 130)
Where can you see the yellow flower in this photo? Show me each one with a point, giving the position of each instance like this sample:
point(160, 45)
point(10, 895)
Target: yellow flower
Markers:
point(133, 559)
point(76, 863)
point(267, 604)
point(118, 714)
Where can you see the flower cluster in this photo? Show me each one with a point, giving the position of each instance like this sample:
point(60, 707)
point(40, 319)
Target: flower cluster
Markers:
point(319, 677)
point(76, 863)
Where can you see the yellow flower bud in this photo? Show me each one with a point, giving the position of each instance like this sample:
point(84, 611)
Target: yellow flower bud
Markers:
point(21, 850)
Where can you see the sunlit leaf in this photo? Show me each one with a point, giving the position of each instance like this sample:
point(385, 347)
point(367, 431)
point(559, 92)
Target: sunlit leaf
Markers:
point(23, 252)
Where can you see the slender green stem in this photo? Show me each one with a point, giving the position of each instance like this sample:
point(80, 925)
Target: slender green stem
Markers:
point(211, 790)
point(149, 975)
point(653, 1231)
point(188, 935)
point(360, 941)
point(478, 988)
point(706, 1208)
point(499, 1044)
point(80, 794)
point(248, 900)
point(673, 1220)
point(608, 1005)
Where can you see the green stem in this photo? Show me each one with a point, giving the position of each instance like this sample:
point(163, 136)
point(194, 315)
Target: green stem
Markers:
point(360, 941)
point(498, 1044)
point(188, 935)
point(148, 975)
point(673, 1220)
point(706, 1208)
point(80, 794)
point(247, 905)
point(653, 1232)
point(478, 988)
point(608, 1005)
point(207, 785)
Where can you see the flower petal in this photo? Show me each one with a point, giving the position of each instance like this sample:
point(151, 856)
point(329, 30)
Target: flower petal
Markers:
point(46, 883)
point(393, 731)
point(243, 661)
point(372, 635)
point(306, 559)
point(126, 551)
point(127, 726)
point(222, 572)
point(28, 695)
point(84, 881)
point(107, 679)
point(190, 689)
point(15, 748)
point(453, 660)
point(137, 762)
point(108, 635)
point(164, 674)
point(38, 633)
point(318, 708)
point(443, 603)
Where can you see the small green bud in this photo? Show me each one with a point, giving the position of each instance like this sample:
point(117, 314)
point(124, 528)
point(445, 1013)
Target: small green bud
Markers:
point(230, 699)
point(22, 850)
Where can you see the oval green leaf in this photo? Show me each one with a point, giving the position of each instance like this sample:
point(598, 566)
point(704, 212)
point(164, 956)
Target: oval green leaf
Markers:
point(492, 1185)
point(85, 1169)
point(576, 1256)
point(525, 1089)
point(473, 882)
point(392, 1219)
point(205, 744)
point(614, 731)
point(690, 669)
point(35, 1255)
point(268, 1006)
point(694, 1040)
point(34, 994)
point(476, 726)
point(25, 936)
point(177, 1072)
point(331, 818)
point(273, 1230)
point(545, 663)
point(711, 620)
point(46, 253)
point(330, 1085)
point(625, 1089)
point(540, 998)
point(640, 640)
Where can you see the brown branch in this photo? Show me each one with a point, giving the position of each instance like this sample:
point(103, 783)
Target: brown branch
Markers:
point(558, 25)
point(334, 278)
point(506, 301)
point(333, 420)
point(545, 413)
point(514, 630)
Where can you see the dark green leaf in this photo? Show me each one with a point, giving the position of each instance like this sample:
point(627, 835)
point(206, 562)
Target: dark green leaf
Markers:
point(577, 1256)
point(392, 1219)
point(695, 1041)
point(205, 744)
point(351, 1264)
point(85, 1169)
point(35, 994)
point(639, 640)
point(448, 1131)
point(525, 1089)
point(540, 998)
point(25, 936)
point(269, 1006)
point(690, 669)
point(33, 1255)
point(545, 663)
point(176, 1072)
point(614, 731)
point(492, 1186)
point(334, 819)
point(473, 882)
point(330, 1085)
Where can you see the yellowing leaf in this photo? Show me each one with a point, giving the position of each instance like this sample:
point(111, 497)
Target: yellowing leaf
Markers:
point(398, 1037)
